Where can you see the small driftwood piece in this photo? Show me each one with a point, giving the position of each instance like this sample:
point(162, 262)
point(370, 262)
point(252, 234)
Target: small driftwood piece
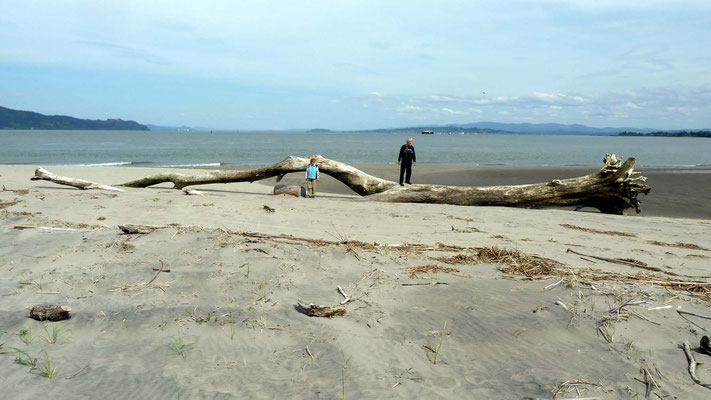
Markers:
point(692, 365)
point(191, 191)
point(630, 262)
point(425, 284)
point(44, 175)
point(291, 190)
point(138, 229)
point(313, 310)
point(49, 312)
point(346, 299)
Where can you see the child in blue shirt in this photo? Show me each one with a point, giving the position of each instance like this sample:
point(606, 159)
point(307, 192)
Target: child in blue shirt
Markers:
point(311, 178)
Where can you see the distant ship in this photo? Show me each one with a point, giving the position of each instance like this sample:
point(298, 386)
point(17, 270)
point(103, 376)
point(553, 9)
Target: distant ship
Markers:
point(428, 132)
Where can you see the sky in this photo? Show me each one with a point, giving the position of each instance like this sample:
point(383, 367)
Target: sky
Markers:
point(360, 64)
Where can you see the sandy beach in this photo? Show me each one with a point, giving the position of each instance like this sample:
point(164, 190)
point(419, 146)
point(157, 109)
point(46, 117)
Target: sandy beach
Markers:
point(444, 302)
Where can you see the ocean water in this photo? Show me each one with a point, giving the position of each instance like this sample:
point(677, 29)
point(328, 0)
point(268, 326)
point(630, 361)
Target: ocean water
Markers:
point(260, 148)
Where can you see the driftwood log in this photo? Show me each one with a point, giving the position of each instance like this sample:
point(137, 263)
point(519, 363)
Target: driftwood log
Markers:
point(613, 189)
point(291, 190)
point(49, 312)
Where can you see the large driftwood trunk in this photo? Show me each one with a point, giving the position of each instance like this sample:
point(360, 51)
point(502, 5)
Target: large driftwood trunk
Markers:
point(613, 189)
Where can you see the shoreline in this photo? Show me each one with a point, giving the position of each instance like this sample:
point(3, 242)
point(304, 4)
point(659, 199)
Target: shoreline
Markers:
point(679, 192)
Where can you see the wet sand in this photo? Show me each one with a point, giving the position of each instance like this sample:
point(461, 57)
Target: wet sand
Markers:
point(676, 191)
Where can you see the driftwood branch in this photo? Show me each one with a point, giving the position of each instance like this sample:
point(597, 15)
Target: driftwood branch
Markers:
point(623, 261)
point(692, 365)
point(613, 189)
point(44, 175)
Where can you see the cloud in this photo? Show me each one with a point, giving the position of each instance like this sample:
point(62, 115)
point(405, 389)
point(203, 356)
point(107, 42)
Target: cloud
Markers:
point(126, 51)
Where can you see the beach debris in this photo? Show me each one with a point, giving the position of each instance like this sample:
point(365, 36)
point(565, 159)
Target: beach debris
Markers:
point(191, 191)
point(576, 385)
point(49, 312)
point(345, 296)
point(680, 245)
point(6, 204)
point(682, 313)
point(43, 174)
point(625, 261)
point(692, 365)
point(659, 308)
point(268, 209)
point(159, 271)
point(560, 303)
point(613, 233)
point(430, 268)
point(425, 284)
point(552, 285)
point(313, 310)
point(648, 381)
point(291, 190)
point(130, 229)
point(705, 344)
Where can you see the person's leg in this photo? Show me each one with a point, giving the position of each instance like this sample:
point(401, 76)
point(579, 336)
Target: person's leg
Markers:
point(313, 188)
point(310, 187)
point(402, 172)
point(409, 174)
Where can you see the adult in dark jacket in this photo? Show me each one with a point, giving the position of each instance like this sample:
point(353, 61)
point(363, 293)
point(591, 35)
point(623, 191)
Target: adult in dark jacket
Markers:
point(406, 159)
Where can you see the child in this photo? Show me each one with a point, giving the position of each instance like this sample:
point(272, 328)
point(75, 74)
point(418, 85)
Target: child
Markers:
point(311, 178)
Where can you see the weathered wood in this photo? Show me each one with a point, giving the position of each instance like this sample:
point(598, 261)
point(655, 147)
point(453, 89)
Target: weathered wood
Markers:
point(613, 189)
point(138, 229)
point(291, 190)
point(49, 312)
point(313, 310)
point(43, 174)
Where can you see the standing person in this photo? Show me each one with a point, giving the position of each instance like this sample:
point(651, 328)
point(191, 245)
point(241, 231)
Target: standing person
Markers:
point(311, 178)
point(406, 160)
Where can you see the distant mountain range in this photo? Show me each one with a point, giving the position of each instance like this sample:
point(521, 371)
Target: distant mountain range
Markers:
point(503, 128)
point(182, 128)
point(16, 119)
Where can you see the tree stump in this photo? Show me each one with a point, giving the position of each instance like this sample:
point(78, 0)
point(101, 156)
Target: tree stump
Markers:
point(49, 312)
point(291, 190)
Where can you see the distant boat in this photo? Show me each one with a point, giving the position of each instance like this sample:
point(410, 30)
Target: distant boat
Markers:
point(428, 132)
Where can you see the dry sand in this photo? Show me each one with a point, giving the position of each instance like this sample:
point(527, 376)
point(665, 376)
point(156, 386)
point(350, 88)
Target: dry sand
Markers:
point(234, 282)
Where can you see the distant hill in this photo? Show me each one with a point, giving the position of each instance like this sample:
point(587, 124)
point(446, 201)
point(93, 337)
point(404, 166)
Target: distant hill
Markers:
point(503, 128)
point(552, 128)
point(702, 133)
point(16, 119)
point(437, 129)
point(182, 128)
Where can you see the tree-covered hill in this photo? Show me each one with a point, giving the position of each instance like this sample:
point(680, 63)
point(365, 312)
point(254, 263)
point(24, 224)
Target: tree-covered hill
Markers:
point(16, 119)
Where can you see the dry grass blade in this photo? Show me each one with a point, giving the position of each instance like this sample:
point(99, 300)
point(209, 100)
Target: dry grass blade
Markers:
point(430, 268)
point(518, 263)
point(568, 386)
point(6, 204)
point(459, 259)
point(681, 245)
point(612, 233)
